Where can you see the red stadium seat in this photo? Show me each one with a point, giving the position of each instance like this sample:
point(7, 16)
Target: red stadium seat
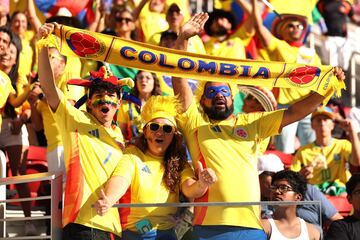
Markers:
point(341, 204)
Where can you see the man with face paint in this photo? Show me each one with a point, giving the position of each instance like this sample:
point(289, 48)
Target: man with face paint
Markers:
point(229, 144)
point(92, 148)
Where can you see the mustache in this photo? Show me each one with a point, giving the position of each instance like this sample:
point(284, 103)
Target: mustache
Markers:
point(99, 102)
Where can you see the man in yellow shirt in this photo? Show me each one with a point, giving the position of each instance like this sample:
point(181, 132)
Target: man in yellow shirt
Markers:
point(229, 145)
point(285, 43)
point(92, 148)
point(324, 162)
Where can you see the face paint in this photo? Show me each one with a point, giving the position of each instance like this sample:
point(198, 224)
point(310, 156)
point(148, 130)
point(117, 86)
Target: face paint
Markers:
point(212, 91)
point(101, 100)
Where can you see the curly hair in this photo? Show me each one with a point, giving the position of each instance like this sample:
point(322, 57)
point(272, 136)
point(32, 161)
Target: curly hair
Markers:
point(156, 90)
point(174, 159)
point(295, 179)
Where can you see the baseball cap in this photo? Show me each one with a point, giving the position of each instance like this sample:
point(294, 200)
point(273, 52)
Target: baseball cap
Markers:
point(326, 111)
point(269, 163)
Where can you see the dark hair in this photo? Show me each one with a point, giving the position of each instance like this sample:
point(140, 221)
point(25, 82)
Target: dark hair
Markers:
point(156, 90)
point(168, 34)
point(14, 73)
point(174, 159)
point(7, 30)
point(68, 21)
point(102, 86)
point(216, 14)
point(295, 179)
point(16, 13)
point(352, 183)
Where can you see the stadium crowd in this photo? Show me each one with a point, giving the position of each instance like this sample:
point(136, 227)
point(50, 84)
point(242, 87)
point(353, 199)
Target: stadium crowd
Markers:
point(120, 134)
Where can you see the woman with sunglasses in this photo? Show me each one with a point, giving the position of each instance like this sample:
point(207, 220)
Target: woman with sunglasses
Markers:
point(128, 116)
point(155, 170)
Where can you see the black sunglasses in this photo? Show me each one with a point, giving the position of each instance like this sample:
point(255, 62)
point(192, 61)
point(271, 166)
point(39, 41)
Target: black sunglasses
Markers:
point(121, 19)
point(154, 127)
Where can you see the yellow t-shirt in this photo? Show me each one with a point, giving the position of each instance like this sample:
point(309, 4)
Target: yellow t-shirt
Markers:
point(232, 47)
point(144, 172)
point(26, 54)
point(91, 153)
point(5, 90)
point(337, 154)
point(152, 22)
point(123, 117)
point(281, 51)
point(230, 148)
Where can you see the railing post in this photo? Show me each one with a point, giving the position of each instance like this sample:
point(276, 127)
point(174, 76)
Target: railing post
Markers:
point(2, 194)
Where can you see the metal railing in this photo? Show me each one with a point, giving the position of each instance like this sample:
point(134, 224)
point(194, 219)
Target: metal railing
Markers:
point(353, 80)
point(55, 199)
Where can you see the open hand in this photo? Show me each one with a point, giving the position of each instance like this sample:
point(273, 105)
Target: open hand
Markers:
point(194, 26)
point(206, 176)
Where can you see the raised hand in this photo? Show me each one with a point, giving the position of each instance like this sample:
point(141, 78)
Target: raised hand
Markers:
point(194, 26)
point(339, 73)
point(102, 205)
point(206, 176)
point(47, 29)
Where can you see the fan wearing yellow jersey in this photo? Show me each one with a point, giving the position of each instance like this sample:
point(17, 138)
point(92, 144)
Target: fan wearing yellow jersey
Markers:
point(229, 144)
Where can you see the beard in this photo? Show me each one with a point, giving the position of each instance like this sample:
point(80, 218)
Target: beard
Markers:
point(216, 114)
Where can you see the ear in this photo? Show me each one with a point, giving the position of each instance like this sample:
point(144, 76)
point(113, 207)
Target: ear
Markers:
point(298, 197)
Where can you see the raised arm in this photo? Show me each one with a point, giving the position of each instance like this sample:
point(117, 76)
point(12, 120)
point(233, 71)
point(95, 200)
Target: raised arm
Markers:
point(262, 32)
point(46, 76)
point(191, 28)
point(34, 19)
point(348, 126)
point(115, 189)
point(307, 105)
point(137, 10)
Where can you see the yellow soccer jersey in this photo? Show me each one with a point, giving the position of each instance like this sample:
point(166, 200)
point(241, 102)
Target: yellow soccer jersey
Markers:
point(51, 129)
point(337, 154)
point(230, 148)
point(5, 90)
point(91, 153)
point(232, 47)
point(123, 117)
point(280, 50)
point(145, 173)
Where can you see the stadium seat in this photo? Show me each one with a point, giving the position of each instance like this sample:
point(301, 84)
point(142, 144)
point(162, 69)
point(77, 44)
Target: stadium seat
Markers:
point(341, 204)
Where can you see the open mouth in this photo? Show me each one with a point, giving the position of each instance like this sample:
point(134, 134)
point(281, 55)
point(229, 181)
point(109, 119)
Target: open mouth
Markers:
point(159, 140)
point(105, 109)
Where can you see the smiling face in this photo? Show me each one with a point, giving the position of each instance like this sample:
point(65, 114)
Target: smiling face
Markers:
point(8, 60)
point(217, 101)
point(124, 22)
point(103, 106)
point(19, 24)
point(159, 134)
point(4, 42)
point(293, 31)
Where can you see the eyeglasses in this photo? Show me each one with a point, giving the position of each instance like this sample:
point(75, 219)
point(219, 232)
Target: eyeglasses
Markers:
point(121, 19)
point(212, 91)
point(282, 188)
point(298, 26)
point(154, 127)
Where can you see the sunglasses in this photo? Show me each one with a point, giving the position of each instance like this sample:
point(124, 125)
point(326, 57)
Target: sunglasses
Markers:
point(121, 19)
point(298, 26)
point(154, 127)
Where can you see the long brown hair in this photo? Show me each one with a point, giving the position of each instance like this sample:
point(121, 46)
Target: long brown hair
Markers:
point(174, 159)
